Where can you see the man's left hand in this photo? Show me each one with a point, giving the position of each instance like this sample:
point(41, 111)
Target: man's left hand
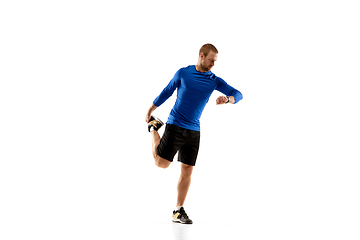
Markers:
point(221, 100)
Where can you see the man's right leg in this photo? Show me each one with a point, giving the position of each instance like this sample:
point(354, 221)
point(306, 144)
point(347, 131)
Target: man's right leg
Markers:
point(159, 161)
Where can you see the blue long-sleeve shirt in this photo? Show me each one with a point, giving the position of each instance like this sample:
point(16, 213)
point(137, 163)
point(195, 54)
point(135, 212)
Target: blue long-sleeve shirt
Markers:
point(193, 92)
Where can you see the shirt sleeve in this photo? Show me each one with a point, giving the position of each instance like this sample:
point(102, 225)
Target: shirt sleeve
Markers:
point(168, 90)
point(228, 90)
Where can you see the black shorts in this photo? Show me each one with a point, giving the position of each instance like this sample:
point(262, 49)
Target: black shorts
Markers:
point(179, 139)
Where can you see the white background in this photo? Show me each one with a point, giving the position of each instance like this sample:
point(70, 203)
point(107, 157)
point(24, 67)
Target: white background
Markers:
point(78, 76)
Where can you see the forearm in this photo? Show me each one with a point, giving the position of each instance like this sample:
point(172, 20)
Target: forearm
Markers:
point(148, 114)
point(152, 108)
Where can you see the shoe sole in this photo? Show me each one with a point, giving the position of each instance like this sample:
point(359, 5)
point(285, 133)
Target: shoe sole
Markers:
point(158, 120)
point(178, 221)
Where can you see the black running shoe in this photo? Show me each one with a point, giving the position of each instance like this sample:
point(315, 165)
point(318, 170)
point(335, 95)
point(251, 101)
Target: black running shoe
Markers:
point(155, 123)
point(180, 216)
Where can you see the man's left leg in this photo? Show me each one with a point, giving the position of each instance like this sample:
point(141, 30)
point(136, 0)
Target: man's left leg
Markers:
point(179, 215)
point(187, 156)
point(184, 183)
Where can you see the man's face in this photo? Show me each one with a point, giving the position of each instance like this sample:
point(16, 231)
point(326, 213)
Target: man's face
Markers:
point(209, 61)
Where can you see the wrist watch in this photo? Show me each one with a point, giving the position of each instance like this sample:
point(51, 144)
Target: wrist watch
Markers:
point(228, 99)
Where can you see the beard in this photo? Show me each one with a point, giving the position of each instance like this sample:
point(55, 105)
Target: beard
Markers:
point(204, 68)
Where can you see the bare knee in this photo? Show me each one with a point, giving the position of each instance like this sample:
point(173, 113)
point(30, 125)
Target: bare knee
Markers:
point(186, 170)
point(161, 162)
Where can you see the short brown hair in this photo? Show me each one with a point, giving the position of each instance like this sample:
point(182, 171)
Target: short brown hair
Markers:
point(207, 48)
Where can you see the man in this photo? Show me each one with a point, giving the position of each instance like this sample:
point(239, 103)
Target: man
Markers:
point(194, 86)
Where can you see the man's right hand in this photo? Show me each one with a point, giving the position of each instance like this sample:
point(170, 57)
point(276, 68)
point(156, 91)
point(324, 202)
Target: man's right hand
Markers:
point(147, 117)
point(149, 112)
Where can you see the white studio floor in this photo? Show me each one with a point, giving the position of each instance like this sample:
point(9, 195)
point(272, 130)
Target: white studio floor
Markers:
point(186, 232)
point(226, 228)
point(168, 230)
point(222, 231)
point(135, 222)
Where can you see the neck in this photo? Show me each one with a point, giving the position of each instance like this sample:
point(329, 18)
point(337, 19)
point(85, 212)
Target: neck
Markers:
point(199, 68)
